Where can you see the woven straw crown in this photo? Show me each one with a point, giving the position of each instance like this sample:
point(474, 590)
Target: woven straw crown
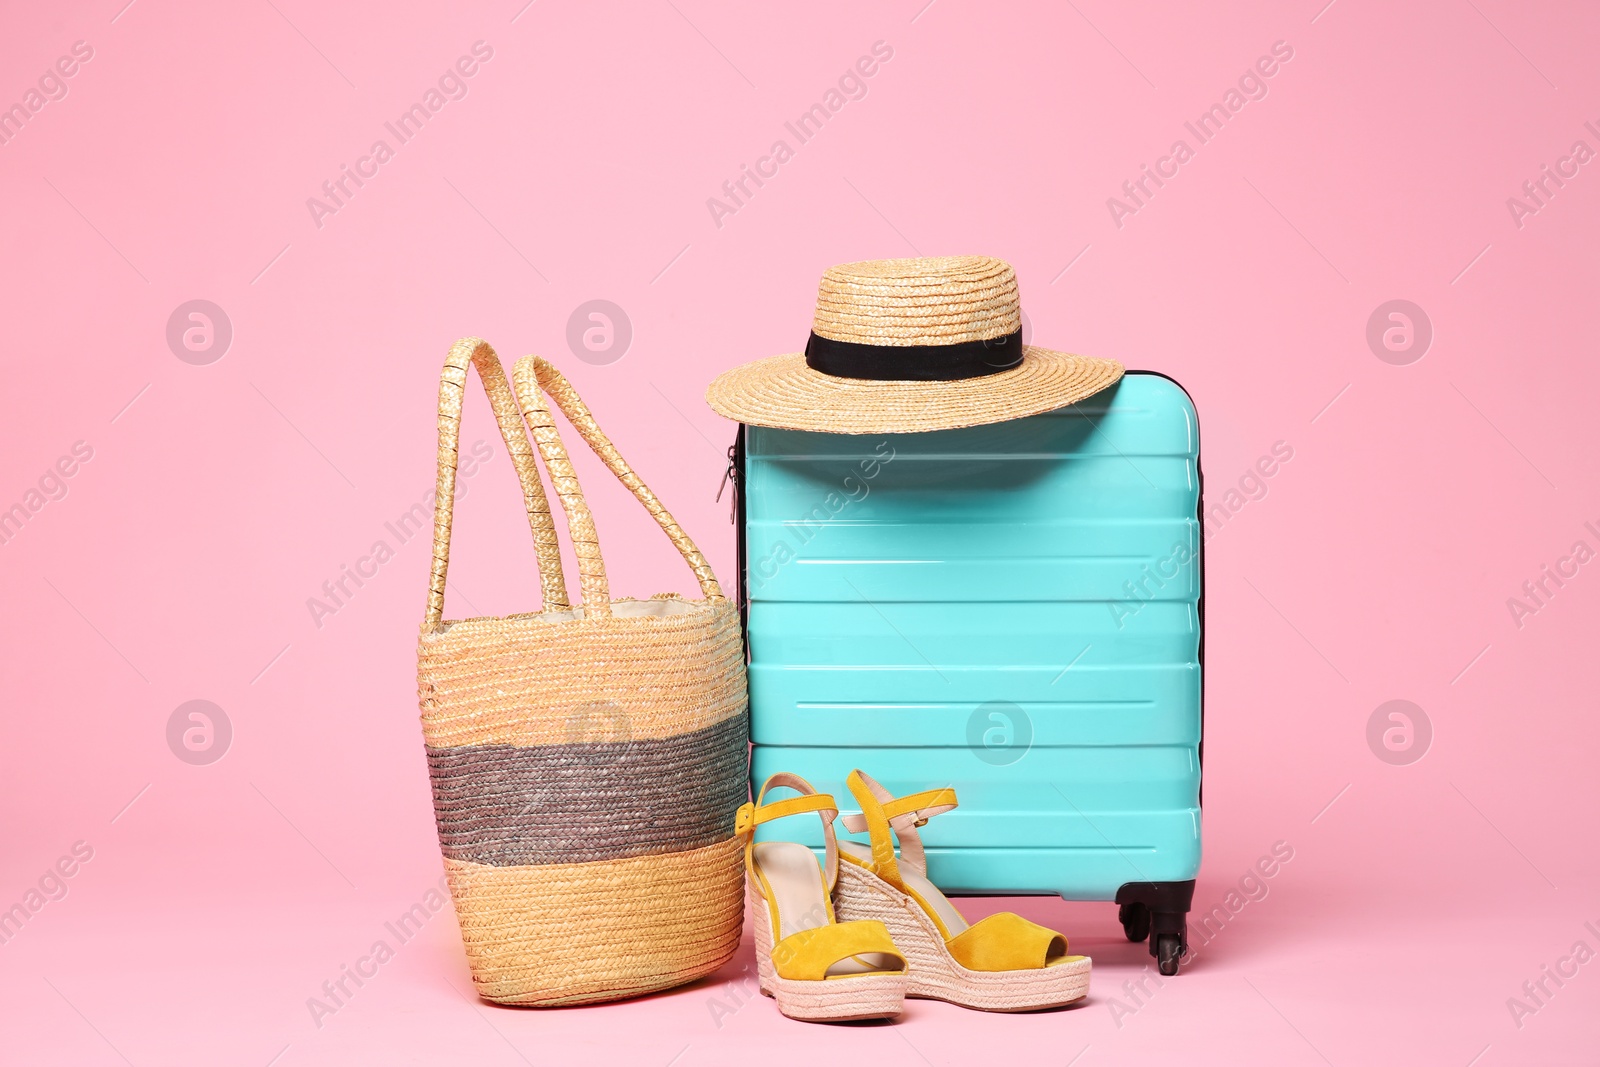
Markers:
point(884, 316)
point(901, 302)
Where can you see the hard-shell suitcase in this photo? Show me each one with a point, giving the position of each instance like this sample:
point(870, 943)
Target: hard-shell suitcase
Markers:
point(1013, 610)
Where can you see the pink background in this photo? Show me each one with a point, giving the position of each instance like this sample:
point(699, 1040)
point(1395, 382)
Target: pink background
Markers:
point(220, 497)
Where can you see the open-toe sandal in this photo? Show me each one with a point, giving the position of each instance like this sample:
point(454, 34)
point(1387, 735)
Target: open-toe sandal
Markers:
point(1000, 963)
point(815, 966)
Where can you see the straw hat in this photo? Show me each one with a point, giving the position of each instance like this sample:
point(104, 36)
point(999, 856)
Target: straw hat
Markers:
point(906, 345)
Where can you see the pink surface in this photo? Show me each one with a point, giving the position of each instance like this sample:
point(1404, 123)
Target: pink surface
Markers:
point(177, 560)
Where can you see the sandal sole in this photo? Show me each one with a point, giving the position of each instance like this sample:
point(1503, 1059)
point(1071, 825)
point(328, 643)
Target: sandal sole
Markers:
point(934, 974)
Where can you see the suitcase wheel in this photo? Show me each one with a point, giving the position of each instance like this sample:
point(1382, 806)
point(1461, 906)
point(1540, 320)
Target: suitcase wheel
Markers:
point(1168, 948)
point(1135, 921)
point(1157, 912)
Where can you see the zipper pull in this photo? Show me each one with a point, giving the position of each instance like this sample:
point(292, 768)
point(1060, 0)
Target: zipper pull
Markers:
point(730, 475)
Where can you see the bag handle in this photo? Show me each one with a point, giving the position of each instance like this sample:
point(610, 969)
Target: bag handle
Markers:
point(534, 375)
point(471, 351)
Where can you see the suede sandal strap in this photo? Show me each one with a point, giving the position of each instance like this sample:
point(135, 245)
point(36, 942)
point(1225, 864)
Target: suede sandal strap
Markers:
point(888, 818)
point(913, 810)
point(749, 816)
point(807, 955)
point(1006, 942)
point(752, 814)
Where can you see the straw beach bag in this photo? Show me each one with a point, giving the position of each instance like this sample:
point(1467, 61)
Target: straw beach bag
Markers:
point(586, 759)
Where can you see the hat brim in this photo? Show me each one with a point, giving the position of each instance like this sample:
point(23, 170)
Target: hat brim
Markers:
point(783, 392)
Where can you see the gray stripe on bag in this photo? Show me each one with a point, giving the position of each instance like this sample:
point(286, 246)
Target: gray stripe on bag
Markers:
point(505, 805)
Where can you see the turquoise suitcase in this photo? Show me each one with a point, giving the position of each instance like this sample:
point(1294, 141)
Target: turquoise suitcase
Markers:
point(1014, 610)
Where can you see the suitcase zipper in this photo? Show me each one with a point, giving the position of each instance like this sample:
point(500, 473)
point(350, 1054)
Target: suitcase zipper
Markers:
point(731, 475)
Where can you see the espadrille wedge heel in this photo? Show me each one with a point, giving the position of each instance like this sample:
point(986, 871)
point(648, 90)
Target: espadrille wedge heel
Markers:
point(817, 968)
point(1001, 963)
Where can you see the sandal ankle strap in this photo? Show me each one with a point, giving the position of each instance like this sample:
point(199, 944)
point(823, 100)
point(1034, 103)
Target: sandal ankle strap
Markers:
point(888, 818)
point(752, 814)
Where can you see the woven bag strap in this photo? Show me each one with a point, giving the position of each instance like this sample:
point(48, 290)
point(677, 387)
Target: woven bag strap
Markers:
point(471, 351)
point(534, 376)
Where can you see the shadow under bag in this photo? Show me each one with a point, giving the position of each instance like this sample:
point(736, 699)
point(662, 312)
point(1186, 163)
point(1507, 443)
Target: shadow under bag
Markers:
point(586, 759)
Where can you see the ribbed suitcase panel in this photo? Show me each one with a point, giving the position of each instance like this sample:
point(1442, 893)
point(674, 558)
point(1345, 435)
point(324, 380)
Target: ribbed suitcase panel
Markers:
point(880, 715)
point(980, 563)
point(1021, 635)
point(814, 492)
point(1011, 610)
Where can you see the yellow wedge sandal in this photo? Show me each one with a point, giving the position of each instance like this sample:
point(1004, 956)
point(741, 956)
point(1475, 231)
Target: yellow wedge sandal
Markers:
point(1001, 963)
point(816, 967)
